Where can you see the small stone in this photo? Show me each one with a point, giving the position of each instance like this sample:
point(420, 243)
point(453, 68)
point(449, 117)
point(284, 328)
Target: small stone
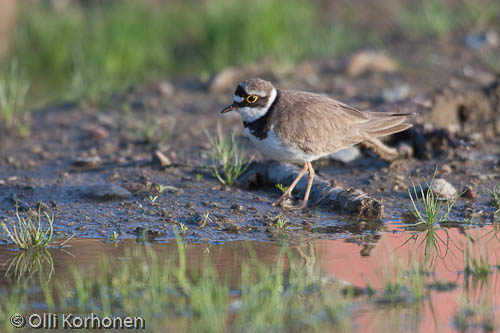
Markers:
point(87, 162)
point(98, 132)
point(105, 192)
point(165, 88)
point(195, 219)
point(36, 149)
point(18, 204)
point(225, 80)
point(232, 228)
point(445, 168)
point(105, 120)
point(443, 189)
point(395, 94)
point(468, 193)
point(162, 159)
point(237, 208)
point(370, 61)
point(307, 226)
point(137, 187)
point(479, 41)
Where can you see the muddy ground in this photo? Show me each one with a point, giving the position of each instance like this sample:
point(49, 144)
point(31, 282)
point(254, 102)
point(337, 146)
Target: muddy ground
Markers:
point(75, 153)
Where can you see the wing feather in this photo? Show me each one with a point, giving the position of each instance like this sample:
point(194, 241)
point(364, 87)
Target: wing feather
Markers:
point(319, 124)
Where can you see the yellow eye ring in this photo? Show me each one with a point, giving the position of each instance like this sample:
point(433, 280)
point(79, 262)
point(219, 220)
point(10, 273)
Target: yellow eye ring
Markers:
point(252, 99)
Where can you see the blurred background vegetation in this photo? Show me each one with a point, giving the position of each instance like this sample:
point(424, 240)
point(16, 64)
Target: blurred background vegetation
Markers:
point(52, 50)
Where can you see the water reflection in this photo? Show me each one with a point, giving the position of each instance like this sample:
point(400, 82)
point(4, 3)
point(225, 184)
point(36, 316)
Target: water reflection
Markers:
point(29, 264)
point(439, 253)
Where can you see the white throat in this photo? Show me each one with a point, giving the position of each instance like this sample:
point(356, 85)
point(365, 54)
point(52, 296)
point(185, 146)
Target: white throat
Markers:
point(251, 114)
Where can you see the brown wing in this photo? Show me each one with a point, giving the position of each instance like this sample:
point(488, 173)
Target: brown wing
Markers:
point(319, 124)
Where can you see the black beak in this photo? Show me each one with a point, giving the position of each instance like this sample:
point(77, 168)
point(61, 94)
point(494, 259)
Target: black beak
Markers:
point(229, 108)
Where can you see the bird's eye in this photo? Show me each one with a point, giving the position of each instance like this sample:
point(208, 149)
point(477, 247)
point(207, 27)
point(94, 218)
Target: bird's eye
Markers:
point(252, 99)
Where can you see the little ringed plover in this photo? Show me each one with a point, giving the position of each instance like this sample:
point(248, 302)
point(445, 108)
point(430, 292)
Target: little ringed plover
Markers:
point(300, 127)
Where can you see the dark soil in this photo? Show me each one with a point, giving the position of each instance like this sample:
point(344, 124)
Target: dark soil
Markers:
point(71, 148)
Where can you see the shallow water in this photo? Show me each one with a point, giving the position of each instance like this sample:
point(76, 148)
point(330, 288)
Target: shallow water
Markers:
point(369, 260)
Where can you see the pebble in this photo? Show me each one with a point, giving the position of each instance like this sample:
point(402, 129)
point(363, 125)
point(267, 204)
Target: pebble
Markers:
point(87, 162)
point(478, 41)
point(237, 208)
point(98, 132)
point(165, 88)
point(105, 192)
point(468, 193)
point(443, 189)
point(445, 168)
point(224, 80)
point(162, 159)
point(395, 94)
point(370, 61)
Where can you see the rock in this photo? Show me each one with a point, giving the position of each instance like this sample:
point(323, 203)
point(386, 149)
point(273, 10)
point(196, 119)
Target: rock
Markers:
point(98, 132)
point(105, 119)
point(17, 203)
point(224, 80)
point(227, 79)
point(165, 88)
point(405, 150)
point(443, 189)
point(446, 168)
point(162, 159)
point(478, 41)
point(105, 192)
point(468, 193)
point(395, 94)
point(346, 155)
point(138, 187)
point(237, 208)
point(370, 61)
point(483, 77)
point(87, 162)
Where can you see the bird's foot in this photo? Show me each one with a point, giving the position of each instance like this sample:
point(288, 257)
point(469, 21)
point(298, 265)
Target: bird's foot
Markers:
point(287, 203)
point(301, 206)
point(284, 201)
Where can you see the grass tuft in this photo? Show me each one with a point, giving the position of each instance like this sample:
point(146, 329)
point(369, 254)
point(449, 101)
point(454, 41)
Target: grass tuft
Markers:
point(30, 232)
point(13, 89)
point(281, 187)
point(226, 155)
point(280, 222)
point(427, 207)
point(496, 198)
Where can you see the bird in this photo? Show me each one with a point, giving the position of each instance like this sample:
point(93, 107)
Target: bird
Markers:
point(295, 126)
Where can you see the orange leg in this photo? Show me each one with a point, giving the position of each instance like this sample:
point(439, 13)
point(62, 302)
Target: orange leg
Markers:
point(288, 192)
point(309, 185)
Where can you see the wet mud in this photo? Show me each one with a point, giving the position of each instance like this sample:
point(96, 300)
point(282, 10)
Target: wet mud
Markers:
point(95, 167)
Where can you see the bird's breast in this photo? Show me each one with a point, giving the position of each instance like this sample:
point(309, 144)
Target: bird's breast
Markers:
point(274, 148)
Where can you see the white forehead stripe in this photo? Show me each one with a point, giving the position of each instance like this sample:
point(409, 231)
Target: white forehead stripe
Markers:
point(259, 93)
point(238, 99)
